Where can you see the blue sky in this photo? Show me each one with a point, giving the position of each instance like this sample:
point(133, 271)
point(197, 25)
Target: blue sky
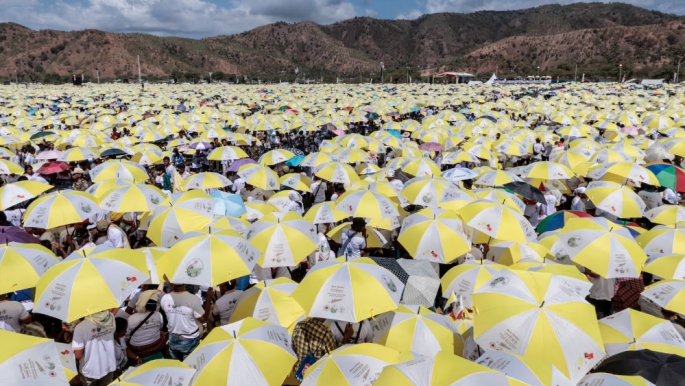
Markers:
point(201, 18)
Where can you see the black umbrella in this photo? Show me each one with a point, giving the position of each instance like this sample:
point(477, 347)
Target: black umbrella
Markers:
point(113, 152)
point(526, 190)
point(656, 367)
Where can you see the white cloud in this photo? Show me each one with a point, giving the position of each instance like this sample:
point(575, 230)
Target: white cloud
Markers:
point(192, 18)
point(465, 6)
point(411, 15)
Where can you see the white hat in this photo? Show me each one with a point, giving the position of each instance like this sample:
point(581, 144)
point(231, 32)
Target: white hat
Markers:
point(390, 174)
point(580, 190)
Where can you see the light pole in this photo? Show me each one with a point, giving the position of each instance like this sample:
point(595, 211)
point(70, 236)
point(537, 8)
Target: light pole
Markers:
point(97, 73)
point(407, 75)
point(538, 72)
point(677, 74)
point(575, 74)
point(620, 72)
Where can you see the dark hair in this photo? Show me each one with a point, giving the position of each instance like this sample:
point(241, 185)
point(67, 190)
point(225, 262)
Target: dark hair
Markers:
point(121, 324)
point(3, 218)
point(667, 314)
point(151, 305)
point(166, 158)
point(230, 285)
point(358, 223)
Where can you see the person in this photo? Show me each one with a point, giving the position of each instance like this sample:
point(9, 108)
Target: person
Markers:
point(111, 235)
point(12, 315)
point(311, 336)
point(532, 212)
point(93, 344)
point(538, 149)
point(548, 151)
point(177, 157)
point(145, 338)
point(120, 352)
point(182, 171)
point(601, 293)
point(295, 203)
point(394, 181)
point(670, 197)
point(162, 179)
point(673, 318)
point(184, 311)
point(551, 201)
point(80, 183)
point(323, 251)
point(168, 167)
point(319, 189)
point(226, 304)
point(353, 240)
point(363, 332)
point(577, 203)
point(31, 176)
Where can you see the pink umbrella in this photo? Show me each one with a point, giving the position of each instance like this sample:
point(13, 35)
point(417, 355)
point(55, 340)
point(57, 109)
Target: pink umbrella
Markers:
point(338, 132)
point(53, 167)
point(48, 155)
point(431, 146)
point(632, 130)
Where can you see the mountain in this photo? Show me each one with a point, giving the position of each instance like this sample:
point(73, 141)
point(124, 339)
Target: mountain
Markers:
point(597, 36)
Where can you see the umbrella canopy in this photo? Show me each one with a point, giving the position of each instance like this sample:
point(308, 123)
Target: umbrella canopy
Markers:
point(111, 169)
point(668, 175)
point(527, 191)
point(173, 371)
point(178, 214)
point(283, 239)
point(668, 294)
point(631, 330)
point(657, 368)
point(259, 176)
point(497, 221)
point(269, 301)
point(89, 281)
point(208, 260)
point(436, 235)
point(614, 380)
point(518, 311)
point(615, 199)
point(249, 352)
point(366, 204)
point(348, 290)
point(132, 198)
point(531, 371)
point(21, 191)
point(29, 352)
point(60, 208)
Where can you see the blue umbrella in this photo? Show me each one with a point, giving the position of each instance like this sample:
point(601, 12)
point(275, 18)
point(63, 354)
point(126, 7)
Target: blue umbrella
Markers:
point(394, 133)
point(227, 204)
point(295, 161)
point(238, 163)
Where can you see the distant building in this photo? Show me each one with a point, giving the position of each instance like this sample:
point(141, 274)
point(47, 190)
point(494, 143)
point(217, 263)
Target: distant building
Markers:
point(459, 77)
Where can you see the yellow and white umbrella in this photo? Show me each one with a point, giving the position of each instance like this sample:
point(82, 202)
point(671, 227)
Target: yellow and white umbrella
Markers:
point(422, 167)
point(418, 330)
point(259, 176)
point(325, 213)
point(666, 266)
point(497, 221)
point(510, 252)
point(624, 171)
point(440, 370)
point(436, 235)
point(132, 198)
point(336, 172)
point(269, 301)
point(21, 191)
point(178, 214)
point(78, 154)
point(226, 153)
point(631, 330)
point(611, 253)
point(22, 265)
point(207, 180)
point(501, 196)
point(274, 157)
point(662, 241)
point(296, 181)
point(60, 208)
point(546, 171)
point(665, 214)
point(348, 291)
point(668, 294)
point(497, 178)
point(351, 155)
point(426, 191)
point(208, 260)
point(126, 170)
point(30, 361)
point(160, 371)
point(283, 239)
point(531, 371)
point(102, 187)
point(9, 167)
point(351, 365)
point(615, 199)
point(464, 279)
point(533, 314)
point(248, 352)
point(316, 159)
point(89, 281)
point(367, 204)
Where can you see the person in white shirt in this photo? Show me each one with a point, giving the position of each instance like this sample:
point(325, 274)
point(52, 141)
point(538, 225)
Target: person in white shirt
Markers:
point(551, 200)
point(224, 307)
point(577, 203)
point(12, 315)
point(110, 235)
point(169, 168)
point(94, 349)
point(532, 212)
point(296, 204)
point(670, 197)
point(183, 172)
point(399, 185)
point(184, 311)
point(31, 176)
point(538, 149)
point(353, 240)
point(144, 333)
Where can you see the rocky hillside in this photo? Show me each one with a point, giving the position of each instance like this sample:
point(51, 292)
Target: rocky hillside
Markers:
point(555, 37)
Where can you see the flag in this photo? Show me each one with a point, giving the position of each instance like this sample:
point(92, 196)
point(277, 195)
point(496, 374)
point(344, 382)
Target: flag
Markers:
point(177, 183)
